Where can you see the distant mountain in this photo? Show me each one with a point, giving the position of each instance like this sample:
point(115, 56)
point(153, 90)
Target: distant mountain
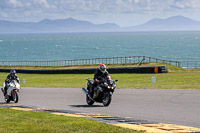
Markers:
point(59, 25)
point(175, 23)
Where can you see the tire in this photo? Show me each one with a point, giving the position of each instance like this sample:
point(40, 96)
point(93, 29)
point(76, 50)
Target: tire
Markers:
point(15, 97)
point(7, 100)
point(107, 99)
point(89, 101)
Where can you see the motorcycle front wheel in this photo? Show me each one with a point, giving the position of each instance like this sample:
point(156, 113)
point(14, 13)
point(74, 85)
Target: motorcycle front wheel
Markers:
point(89, 101)
point(107, 99)
point(15, 97)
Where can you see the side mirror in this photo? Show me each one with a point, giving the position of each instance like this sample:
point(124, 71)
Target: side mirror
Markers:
point(116, 80)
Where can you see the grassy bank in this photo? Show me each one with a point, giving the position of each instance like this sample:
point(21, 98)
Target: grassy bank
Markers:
point(177, 78)
point(85, 66)
point(13, 121)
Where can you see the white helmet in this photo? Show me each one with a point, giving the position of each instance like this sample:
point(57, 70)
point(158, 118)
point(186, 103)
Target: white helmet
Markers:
point(102, 68)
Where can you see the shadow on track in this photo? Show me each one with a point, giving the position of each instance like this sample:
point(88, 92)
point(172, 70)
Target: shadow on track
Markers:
point(86, 106)
point(4, 103)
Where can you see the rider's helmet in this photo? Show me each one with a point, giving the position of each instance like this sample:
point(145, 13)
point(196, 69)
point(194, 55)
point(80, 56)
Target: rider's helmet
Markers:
point(12, 72)
point(102, 68)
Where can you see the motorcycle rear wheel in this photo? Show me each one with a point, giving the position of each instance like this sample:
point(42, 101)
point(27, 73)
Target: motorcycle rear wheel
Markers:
point(89, 101)
point(107, 99)
point(7, 100)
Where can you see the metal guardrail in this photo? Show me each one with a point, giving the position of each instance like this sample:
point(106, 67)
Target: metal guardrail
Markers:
point(108, 60)
point(190, 64)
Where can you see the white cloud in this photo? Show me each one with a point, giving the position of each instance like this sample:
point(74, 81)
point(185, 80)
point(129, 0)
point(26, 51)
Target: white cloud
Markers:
point(192, 4)
point(3, 14)
point(42, 4)
point(15, 3)
point(98, 11)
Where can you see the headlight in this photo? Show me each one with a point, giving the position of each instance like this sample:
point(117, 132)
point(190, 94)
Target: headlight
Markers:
point(111, 87)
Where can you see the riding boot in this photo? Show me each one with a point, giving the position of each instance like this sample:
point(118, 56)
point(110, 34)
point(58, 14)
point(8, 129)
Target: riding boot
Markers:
point(5, 90)
point(7, 96)
point(90, 91)
point(99, 91)
point(95, 94)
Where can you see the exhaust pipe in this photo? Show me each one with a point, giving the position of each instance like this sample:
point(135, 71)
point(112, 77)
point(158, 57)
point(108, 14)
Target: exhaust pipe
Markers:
point(86, 92)
point(2, 90)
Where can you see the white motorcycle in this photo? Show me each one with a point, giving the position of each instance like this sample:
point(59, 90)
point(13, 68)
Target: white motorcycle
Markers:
point(13, 89)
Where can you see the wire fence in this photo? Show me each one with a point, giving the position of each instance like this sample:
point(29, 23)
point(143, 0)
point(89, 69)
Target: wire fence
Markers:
point(108, 60)
point(190, 64)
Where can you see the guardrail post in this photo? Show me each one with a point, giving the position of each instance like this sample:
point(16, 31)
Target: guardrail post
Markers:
point(138, 59)
point(143, 59)
point(177, 64)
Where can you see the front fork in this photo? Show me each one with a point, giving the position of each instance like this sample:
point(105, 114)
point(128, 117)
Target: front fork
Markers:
point(13, 93)
point(107, 93)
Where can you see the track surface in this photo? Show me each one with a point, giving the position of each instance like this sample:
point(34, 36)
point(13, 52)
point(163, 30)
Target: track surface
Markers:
point(180, 107)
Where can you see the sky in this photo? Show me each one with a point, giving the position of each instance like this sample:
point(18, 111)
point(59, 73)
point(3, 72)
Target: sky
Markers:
point(121, 12)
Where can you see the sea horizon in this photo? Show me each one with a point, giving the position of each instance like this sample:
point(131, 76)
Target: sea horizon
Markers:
point(169, 45)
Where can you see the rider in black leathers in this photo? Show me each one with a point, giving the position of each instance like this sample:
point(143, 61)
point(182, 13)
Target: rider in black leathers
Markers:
point(10, 77)
point(99, 75)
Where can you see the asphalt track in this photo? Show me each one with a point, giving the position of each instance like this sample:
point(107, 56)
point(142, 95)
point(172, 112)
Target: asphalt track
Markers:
point(177, 106)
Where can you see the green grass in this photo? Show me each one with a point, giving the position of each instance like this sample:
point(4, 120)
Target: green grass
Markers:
point(13, 121)
point(163, 81)
point(177, 78)
point(86, 66)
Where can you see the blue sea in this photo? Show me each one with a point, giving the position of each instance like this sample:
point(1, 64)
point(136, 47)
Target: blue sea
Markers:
point(176, 46)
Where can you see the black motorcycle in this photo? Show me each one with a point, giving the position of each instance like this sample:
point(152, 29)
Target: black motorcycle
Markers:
point(102, 93)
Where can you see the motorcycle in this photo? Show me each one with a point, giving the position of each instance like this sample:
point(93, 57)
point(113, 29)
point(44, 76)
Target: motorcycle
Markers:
point(12, 91)
point(102, 93)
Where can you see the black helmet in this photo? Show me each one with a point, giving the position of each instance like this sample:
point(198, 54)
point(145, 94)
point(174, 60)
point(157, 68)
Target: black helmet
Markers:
point(12, 71)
